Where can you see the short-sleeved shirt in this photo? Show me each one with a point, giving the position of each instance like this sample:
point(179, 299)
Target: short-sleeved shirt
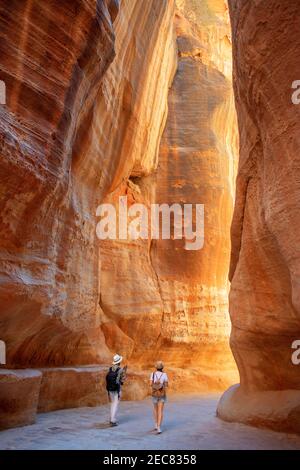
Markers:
point(159, 376)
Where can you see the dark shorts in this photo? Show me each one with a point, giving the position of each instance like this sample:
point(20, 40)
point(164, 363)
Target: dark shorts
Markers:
point(156, 400)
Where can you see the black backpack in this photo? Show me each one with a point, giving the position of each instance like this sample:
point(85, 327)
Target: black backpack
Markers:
point(112, 383)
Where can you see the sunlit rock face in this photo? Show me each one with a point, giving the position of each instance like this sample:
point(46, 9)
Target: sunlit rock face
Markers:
point(171, 302)
point(265, 260)
point(107, 100)
point(131, 116)
point(197, 165)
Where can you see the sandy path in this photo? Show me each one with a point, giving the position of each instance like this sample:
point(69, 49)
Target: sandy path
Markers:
point(190, 423)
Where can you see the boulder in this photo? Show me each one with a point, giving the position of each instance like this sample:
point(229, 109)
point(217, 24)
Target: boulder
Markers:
point(19, 395)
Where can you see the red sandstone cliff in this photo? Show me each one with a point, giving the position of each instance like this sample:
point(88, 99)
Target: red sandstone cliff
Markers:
point(265, 261)
point(67, 137)
point(181, 296)
point(106, 100)
point(53, 57)
point(87, 103)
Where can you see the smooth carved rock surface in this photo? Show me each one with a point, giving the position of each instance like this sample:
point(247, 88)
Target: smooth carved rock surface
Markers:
point(19, 394)
point(197, 164)
point(65, 136)
point(130, 124)
point(265, 260)
point(53, 56)
point(89, 88)
point(173, 302)
point(278, 409)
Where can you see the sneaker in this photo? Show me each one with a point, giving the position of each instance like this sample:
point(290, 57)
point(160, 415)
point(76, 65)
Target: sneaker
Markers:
point(158, 431)
point(113, 424)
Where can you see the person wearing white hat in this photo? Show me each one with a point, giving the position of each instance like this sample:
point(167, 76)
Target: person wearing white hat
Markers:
point(114, 380)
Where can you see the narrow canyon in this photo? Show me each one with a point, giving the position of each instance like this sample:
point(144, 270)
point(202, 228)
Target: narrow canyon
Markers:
point(159, 102)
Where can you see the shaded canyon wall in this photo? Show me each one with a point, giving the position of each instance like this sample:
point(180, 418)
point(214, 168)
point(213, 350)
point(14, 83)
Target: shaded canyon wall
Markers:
point(68, 137)
point(53, 57)
point(265, 259)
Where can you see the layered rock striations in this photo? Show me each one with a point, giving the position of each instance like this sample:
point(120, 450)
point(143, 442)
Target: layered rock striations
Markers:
point(197, 164)
point(68, 136)
point(131, 117)
point(264, 296)
point(180, 295)
point(108, 99)
point(53, 57)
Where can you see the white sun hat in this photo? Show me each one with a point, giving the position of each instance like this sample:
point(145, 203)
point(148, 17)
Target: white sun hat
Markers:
point(117, 359)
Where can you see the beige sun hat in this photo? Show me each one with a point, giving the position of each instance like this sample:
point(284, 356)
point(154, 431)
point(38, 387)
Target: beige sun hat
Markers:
point(117, 359)
point(159, 365)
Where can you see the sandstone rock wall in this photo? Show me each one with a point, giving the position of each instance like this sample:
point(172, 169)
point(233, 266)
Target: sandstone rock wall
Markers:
point(180, 295)
point(197, 164)
point(19, 397)
point(67, 137)
point(53, 57)
point(265, 261)
point(130, 125)
point(109, 99)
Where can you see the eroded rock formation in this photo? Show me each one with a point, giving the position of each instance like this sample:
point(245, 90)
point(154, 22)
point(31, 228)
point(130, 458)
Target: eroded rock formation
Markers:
point(182, 295)
point(53, 57)
point(67, 138)
point(107, 100)
point(197, 165)
point(265, 261)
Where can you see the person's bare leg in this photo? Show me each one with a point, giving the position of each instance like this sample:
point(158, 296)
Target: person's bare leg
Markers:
point(160, 409)
point(155, 414)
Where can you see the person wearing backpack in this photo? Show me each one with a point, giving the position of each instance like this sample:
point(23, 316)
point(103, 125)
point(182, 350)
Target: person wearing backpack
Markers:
point(114, 381)
point(159, 384)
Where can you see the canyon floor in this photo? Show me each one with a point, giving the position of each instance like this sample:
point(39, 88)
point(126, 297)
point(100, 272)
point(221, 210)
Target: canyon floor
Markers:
point(190, 423)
